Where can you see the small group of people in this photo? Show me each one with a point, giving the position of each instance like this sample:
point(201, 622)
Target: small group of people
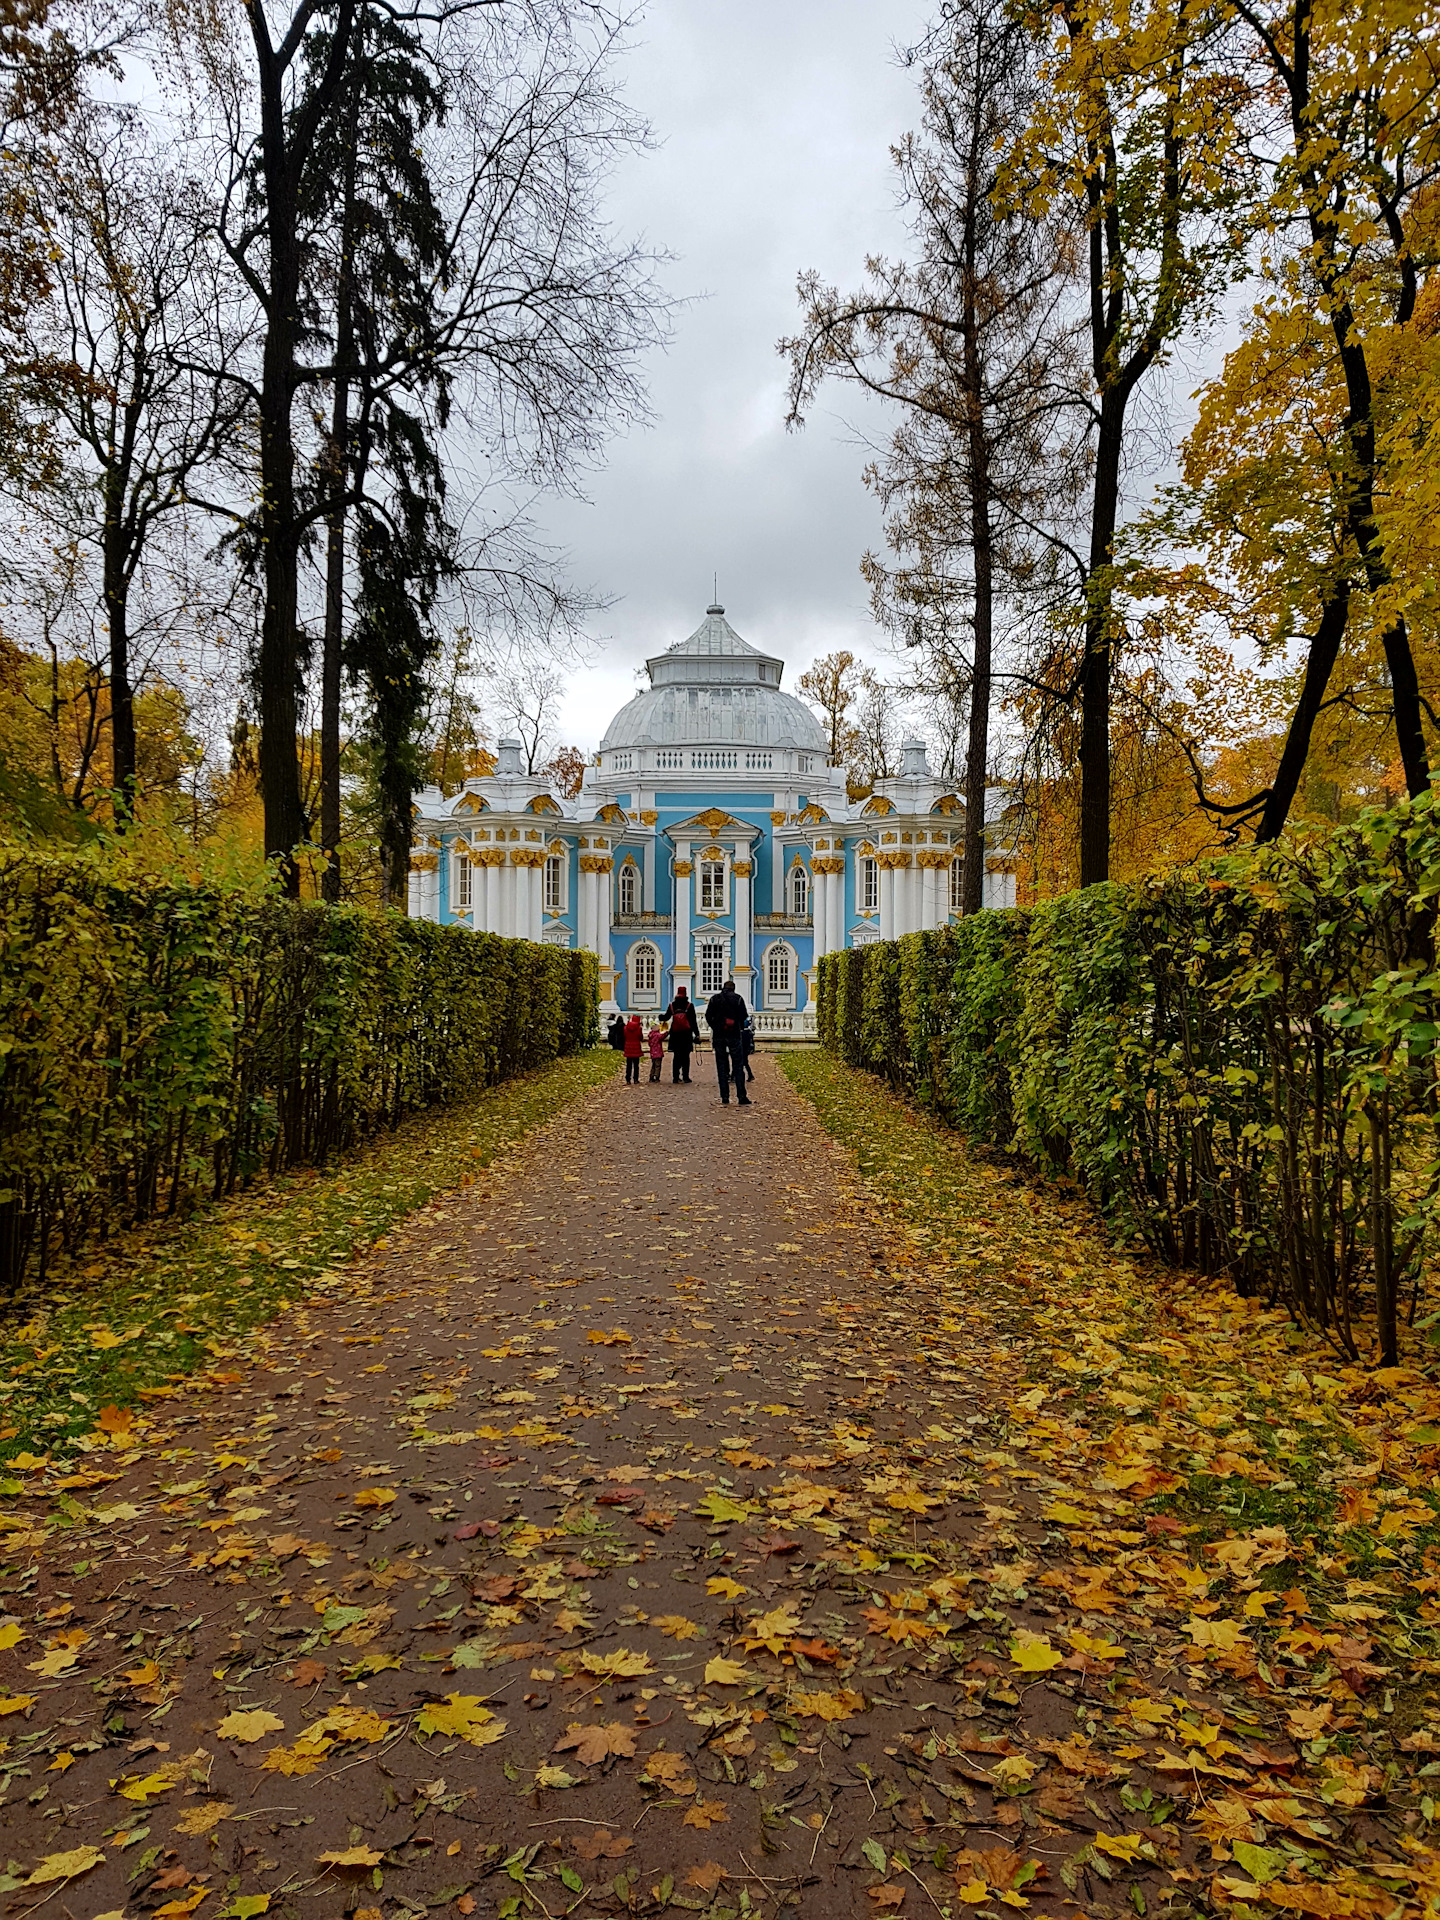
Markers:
point(677, 1031)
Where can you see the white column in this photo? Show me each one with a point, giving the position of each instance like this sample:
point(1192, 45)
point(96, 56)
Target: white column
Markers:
point(907, 917)
point(836, 940)
point(602, 915)
point(585, 909)
point(508, 923)
point(742, 883)
point(820, 910)
point(683, 969)
point(479, 874)
point(886, 876)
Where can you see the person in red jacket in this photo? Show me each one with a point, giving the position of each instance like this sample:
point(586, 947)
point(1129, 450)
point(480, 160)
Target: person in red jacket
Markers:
point(634, 1047)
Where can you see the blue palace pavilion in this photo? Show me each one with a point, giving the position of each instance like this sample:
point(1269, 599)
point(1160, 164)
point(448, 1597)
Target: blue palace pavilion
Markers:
point(711, 838)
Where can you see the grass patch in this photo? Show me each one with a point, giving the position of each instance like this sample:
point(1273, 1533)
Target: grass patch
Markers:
point(160, 1302)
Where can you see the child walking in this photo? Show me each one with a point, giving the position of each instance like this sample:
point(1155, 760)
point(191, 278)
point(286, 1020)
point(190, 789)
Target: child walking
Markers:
point(655, 1040)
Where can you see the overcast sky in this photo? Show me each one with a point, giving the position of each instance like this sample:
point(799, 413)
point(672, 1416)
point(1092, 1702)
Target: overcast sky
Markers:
point(774, 120)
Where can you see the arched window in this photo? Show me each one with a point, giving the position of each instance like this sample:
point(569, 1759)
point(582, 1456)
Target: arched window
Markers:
point(957, 885)
point(780, 976)
point(644, 975)
point(464, 874)
point(555, 883)
point(799, 891)
point(867, 886)
point(712, 886)
point(629, 890)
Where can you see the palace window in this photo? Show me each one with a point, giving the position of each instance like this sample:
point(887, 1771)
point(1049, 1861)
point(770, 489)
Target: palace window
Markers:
point(712, 966)
point(555, 883)
point(867, 883)
point(644, 975)
point(957, 885)
point(780, 977)
point(629, 890)
point(712, 886)
point(799, 891)
point(464, 894)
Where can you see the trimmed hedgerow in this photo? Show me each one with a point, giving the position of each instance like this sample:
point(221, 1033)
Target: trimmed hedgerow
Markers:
point(163, 1042)
point(1238, 1063)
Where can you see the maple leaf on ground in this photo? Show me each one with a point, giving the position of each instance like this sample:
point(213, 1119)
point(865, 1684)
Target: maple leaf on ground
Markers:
point(1011, 1773)
point(887, 1898)
point(676, 1627)
point(1033, 1653)
point(250, 1726)
point(375, 1497)
point(672, 1770)
point(65, 1866)
point(601, 1845)
point(720, 1507)
point(707, 1876)
point(820, 1652)
point(722, 1587)
point(594, 1745)
point(898, 1626)
point(464, 1715)
point(726, 1673)
point(1120, 1846)
point(307, 1673)
point(351, 1857)
point(615, 1338)
point(840, 1705)
point(770, 1630)
point(196, 1821)
point(623, 1664)
point(705, 1814)
point(16, 1703)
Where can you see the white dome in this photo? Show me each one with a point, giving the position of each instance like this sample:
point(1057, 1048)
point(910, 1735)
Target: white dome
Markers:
point(715, 690)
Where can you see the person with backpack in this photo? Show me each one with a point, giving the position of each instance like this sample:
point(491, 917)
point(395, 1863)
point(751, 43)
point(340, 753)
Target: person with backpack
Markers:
point(683, 1034)
point(726, 1015)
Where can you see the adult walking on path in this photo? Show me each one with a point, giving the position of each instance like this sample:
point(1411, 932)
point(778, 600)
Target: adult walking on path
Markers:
point(684, 1032)
point(726, 1016)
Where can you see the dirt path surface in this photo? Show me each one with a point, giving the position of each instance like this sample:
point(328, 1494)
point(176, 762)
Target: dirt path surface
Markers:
point(606, 1542)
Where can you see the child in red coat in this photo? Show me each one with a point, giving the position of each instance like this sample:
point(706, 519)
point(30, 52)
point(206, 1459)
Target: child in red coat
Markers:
point(634, 1047)
point(655, 1040)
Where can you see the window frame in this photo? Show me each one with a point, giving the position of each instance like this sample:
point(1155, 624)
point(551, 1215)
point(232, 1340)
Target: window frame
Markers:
point(644, 953)
point(627, 880)
point(798, 890)
point(704, 867)
point(957, 884)
point(707, 951)
point(462, 882)
point(781, 998)
point(867, 884)
point(555, 901)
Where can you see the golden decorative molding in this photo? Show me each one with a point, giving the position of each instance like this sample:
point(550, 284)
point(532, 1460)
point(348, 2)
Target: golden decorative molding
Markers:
point(887, 839)
point(649, 817)
point(742, 869)
point(947, 803)
point(777, 819)
point(682, 869)
point(879, 805)
point(542, 803)
point(424, 863)
point(828, 863)
point(895, 857)
point(933, 857)
point(472, 803)
point(595, 863)
point(533, 833)
point(527, 856)
point(712, 853)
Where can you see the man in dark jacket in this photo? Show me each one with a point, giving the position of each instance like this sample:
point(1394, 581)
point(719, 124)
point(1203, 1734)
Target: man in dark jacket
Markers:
point(684, 1032)
point(725, 1016)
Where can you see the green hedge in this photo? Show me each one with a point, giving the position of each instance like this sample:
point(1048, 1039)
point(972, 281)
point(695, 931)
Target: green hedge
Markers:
point(1238, 1064)
point(162, 1042)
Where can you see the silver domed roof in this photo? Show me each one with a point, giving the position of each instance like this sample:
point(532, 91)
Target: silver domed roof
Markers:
point(714, 689)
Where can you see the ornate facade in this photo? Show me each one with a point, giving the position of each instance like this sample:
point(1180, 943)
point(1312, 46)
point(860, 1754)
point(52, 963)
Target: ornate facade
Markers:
point(711, 838)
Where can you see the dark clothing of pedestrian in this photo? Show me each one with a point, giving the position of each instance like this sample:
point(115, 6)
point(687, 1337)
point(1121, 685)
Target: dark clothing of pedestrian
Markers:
point(726, 1015)
point(615, 1033)
point(681, 1015)
point(749, 1047)
point(634, 1043)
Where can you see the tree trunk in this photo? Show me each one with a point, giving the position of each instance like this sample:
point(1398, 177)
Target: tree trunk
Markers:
point(1096, 664)
point(1320, 661)
point(116, 590)
point(279, 647)
point(338, 455)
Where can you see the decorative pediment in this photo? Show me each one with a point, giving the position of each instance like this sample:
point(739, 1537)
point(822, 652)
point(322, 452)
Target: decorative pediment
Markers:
point(715, 822)
point(812, 813)
point(470, 803)
point(948, 803)
point(542, 803)
point(614, 814)
point(878, 805)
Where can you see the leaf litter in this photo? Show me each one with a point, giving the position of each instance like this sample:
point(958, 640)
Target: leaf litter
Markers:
point(1071, 1592)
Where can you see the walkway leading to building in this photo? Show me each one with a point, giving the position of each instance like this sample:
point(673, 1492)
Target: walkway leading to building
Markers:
point(608, 1545)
